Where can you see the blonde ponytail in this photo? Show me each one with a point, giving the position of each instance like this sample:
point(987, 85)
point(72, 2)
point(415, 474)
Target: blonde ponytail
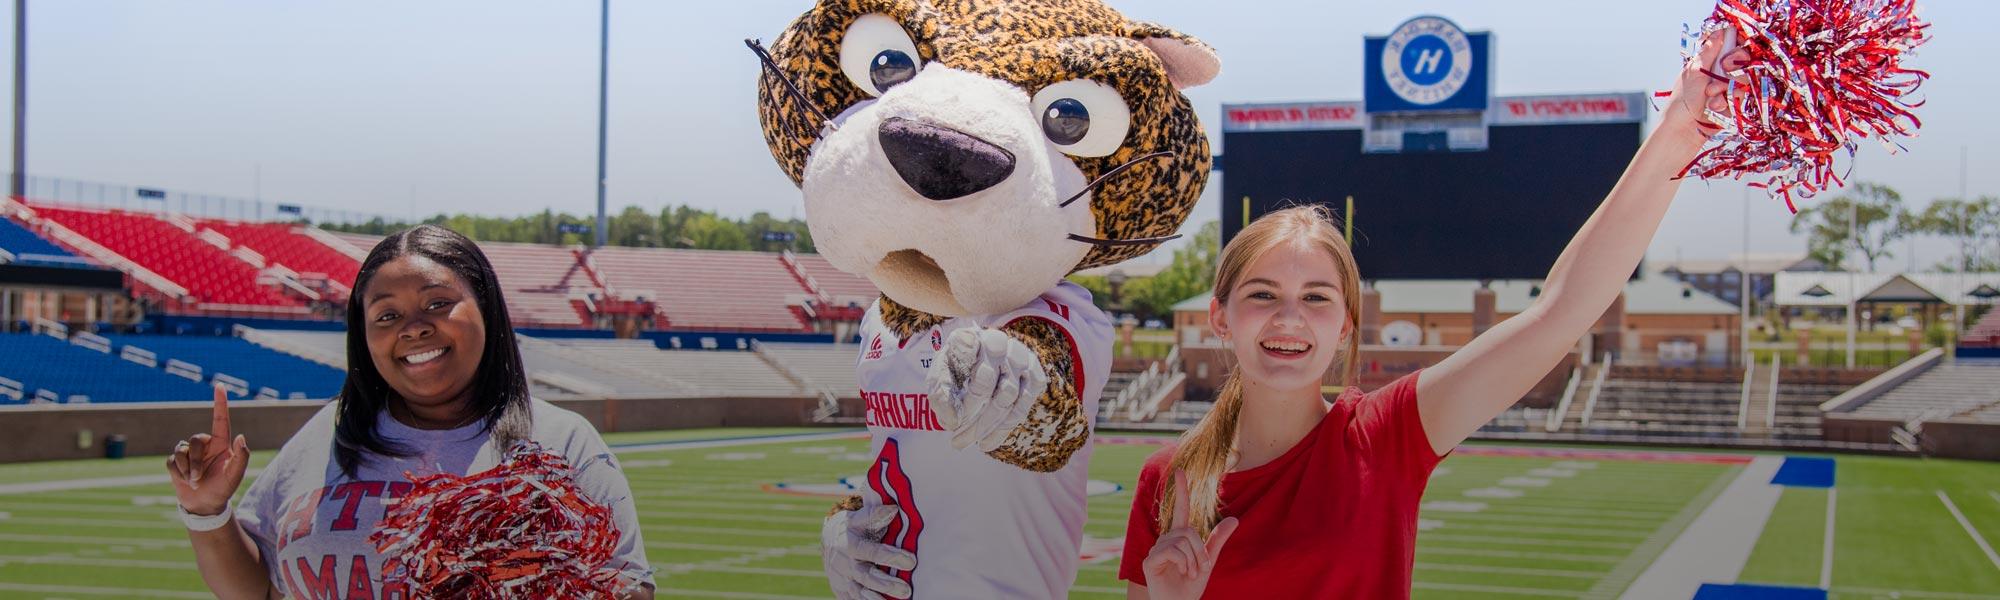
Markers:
point(1203, 456)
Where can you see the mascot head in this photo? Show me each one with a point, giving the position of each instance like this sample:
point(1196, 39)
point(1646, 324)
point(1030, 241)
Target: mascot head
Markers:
point(966, 155)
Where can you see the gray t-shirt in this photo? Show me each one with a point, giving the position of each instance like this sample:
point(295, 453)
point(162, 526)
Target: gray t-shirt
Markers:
point(311, 523)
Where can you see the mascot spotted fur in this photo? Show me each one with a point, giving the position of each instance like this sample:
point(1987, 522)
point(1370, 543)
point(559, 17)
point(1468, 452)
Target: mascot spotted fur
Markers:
point(966, 156)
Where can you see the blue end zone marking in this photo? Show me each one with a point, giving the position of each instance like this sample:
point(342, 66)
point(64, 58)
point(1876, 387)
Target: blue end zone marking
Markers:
point(1719, 591)
point(1805, 472)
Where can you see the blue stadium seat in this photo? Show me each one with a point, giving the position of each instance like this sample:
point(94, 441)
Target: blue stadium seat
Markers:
point(40, 362)
point(30, 249)
point(256, 365)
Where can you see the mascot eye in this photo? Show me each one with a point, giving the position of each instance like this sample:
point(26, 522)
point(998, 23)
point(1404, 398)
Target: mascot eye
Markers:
point(876, 54)
point(1083, 117)
point(890, 68)
point(1066, 121)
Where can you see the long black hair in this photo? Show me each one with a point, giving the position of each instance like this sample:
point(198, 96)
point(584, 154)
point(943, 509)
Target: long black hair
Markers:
point(499, 385)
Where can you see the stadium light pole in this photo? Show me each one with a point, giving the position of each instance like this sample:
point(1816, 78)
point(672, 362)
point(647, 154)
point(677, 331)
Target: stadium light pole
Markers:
point(1743, 284)
point(1964, 262)
point(603, 77)
point(18, 183)
point(1853, 295)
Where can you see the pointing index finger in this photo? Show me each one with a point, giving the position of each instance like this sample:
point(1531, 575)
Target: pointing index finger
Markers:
point(219, 423)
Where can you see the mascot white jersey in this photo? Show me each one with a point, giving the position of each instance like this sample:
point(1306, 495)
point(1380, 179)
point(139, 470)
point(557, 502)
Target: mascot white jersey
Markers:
point(975, 523)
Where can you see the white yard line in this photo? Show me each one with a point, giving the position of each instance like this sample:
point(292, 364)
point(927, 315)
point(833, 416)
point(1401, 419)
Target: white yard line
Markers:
point(1492, 589)
point(1882, 593)
point(1983, 546)
point(1097, 590)
point(745, 441)
point(714, 548)
point(667, 592)
point(1629, 534)
point(648, 516)
point(773, 533)
point(1826, 543)
point(1487, 540)
point(1715, 546)
point(93, 483)
point(147, 543)
point(139, 480)
point(1574, 574)
point(99, 591)
point(67, 559)
point(714, 568)
point(163, 523)
point(1546, 556)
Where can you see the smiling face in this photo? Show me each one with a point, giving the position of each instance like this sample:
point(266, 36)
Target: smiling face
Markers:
point(1287, 317)
point(964, 126)
point(425, 332)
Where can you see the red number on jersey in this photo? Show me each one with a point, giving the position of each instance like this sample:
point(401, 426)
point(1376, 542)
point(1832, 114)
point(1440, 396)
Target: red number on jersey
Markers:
point(886, 477)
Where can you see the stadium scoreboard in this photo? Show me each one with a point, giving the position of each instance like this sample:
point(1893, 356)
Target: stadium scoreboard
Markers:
point(1446, 180)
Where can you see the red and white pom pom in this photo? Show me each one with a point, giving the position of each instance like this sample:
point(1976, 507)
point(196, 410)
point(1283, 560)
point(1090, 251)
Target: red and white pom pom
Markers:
point(519, 530)
point(1820, 76)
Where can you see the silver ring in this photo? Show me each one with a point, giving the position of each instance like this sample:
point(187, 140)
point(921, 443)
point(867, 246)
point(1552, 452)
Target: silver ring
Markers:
point(181, 446)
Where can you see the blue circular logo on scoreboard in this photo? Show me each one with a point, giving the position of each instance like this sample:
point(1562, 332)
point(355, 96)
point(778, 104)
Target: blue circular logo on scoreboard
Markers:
point(1427, 60)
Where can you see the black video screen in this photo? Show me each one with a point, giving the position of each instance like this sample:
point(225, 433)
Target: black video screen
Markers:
point(1502, 213)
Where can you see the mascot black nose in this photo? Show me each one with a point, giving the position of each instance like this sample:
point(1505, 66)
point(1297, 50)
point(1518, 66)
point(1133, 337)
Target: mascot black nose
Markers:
point(942, 163)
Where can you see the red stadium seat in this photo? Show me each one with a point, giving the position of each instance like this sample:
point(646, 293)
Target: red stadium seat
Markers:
point(211, 274)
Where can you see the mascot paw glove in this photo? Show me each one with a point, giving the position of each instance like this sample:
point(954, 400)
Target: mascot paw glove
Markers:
point(985, 386)
point(850, 549)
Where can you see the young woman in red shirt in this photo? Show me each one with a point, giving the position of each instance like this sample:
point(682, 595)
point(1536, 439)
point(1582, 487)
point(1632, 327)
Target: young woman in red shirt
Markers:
point(1318, 499)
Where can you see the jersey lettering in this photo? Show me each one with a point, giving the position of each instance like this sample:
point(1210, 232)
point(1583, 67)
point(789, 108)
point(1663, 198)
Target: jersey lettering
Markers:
point(900, 411)
point(354, 492)
point(889, 481)
point(321, 584)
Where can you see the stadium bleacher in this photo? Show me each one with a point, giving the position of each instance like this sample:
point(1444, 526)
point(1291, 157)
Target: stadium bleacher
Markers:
point(1984, 333)
point(23, 246)
point(59, 370)
point(554, 370)
point(721, 372)
point(1684, 409)
point(691, 290)
point(171, 249)
point(261, 369)
point(705, 289)
point(548, 363)
point(284, 244)
point(824, 366)
point(1964, 388)
point(848, 295)
point(537, 280)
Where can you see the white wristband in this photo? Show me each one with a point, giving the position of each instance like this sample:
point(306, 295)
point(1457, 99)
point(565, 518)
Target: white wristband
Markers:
point(213, 522)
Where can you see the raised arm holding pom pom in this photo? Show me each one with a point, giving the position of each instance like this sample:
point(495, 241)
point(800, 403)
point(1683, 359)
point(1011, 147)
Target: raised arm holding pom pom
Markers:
point(1318, 497)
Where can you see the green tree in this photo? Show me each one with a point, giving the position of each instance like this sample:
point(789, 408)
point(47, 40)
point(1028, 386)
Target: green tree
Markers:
point(1969, 223)
point(674, 227)
point(1191, 273)
point(633, 227)
point(1865, 219)
point(710, 232)
point(1100, 290)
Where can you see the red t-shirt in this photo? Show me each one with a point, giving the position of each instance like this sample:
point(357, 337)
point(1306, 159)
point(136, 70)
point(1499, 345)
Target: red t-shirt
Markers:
point(1333, 517)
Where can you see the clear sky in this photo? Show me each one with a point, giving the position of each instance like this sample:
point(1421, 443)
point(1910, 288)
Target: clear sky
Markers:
point(489, 106)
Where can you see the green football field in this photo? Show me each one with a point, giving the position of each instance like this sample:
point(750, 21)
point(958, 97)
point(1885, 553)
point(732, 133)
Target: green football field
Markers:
point(1499, 521)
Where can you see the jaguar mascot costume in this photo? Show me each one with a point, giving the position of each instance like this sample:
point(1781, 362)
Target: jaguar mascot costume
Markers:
point(965, 156)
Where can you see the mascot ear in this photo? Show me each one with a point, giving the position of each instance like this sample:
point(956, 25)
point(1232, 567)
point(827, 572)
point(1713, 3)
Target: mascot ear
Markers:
point(1189, 61)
